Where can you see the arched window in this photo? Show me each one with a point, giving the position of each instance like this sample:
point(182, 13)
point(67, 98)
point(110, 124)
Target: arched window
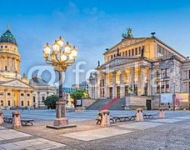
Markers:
point(9, 103)
point(1, 102)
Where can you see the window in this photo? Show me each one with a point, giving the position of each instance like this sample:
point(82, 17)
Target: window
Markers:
point(22, 103)
point(1, 93)
point(28, 95)
point(8, 94)
point(1, 102)
point(132, 52)
point(5, 46)
point(129, 53)
point(43, 98)
point(162, 87)
point(9, 103)
point(165, 73)
point(6, 68)
point(158, 87)
point(28, 103)
point(126, 90)
point(136, 51)
point(22, 94)
point(189, 74)
point(158, 74)
point(167, 86)
point(1, 46)
point(34, 99)
point(102, 83)
point(123, 53)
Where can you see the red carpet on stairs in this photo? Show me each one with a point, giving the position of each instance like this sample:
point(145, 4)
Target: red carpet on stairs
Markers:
point(109, 104)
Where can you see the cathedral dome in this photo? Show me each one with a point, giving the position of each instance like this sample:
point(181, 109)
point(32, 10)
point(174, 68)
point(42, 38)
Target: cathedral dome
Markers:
point(8, 37)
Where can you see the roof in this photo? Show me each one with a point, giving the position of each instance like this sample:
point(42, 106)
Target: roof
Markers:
point(36, 81)
point(133, 41)
point(8, 38)
point(127, 42)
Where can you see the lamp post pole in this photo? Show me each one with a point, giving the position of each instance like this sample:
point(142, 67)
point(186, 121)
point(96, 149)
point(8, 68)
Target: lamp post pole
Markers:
point(60, 56)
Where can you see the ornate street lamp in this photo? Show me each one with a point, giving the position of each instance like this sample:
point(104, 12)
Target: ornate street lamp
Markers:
point(60, 56)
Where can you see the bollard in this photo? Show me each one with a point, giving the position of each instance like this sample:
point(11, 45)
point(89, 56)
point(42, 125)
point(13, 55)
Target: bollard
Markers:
point(139, 115)
point(16, 120)
point(161, 114)
point(1, 117)
point(105, 118)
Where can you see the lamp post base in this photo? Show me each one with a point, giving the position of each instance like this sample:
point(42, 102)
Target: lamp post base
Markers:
point(61, 127)
point(60, 121)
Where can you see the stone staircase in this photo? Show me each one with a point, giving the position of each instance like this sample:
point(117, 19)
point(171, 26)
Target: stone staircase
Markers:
point(98, 104)
point(118, 105)
point(102, 102)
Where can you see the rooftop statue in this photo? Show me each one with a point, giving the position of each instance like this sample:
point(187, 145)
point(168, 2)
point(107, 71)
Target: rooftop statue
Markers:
point(128, 34)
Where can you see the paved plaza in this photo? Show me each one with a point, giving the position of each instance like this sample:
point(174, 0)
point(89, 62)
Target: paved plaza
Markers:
point(171, 133)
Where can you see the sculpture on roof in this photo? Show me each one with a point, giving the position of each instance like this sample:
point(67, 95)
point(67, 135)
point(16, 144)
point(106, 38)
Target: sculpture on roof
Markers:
point(98, 63)
point(128, 34)
point(118, 54)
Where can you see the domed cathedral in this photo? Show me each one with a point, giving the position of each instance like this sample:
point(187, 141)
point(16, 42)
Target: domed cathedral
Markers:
point(10, 57)
point(14, 89)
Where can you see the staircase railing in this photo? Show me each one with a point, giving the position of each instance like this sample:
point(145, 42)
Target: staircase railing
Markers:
point(106, 106)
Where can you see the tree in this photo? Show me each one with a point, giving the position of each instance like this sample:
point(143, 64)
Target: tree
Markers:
point(50, 101)
point(79, 94)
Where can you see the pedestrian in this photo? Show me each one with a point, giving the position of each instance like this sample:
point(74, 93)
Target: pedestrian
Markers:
point(169, 106)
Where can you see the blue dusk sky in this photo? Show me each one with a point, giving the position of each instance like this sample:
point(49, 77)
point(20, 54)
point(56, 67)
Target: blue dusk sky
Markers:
point(92, 26)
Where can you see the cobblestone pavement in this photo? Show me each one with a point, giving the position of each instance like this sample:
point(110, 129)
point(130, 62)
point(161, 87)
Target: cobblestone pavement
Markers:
point(171, 133)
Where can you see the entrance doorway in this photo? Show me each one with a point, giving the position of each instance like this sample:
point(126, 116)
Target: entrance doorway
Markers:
point(126, 90)
point(148, 104)
point(118, 91)
point(110, 92)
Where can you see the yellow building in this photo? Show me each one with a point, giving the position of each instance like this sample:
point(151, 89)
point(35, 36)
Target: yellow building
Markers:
point(14, 90)
point(144, 67)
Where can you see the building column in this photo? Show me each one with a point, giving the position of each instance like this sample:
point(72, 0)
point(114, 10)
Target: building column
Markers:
point(142, 84)
point(114, 89)
point(150, 88)
point(38, 99)
point(122, 85)
point(25, 99)
point(106, 86)
point(132, 77)
point(19, 98)
point(5, 96)
point(140, 80)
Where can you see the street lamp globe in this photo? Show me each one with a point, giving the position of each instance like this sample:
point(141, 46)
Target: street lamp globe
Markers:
point(47, 50)
point(56, 47)
point(67, 48)
point(63, 57)
point(60, 41)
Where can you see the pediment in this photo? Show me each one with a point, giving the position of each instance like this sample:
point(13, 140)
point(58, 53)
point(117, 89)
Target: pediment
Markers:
point(15, 83)
point(118, 61)
point(126, 42)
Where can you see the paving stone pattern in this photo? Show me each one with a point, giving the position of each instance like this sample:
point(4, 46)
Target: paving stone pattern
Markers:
point(171, 133)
